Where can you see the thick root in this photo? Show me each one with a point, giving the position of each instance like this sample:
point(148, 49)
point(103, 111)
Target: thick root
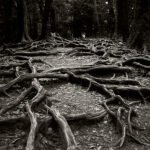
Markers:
point(33, 129)
point(68, 137)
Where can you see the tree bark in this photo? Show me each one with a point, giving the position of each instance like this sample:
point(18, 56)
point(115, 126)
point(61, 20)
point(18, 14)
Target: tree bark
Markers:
point(96, 18)
point(121, 19)
point(111, 19)
point(140, 28)
point(23, 34)
point(8, 26)
point(45, 19)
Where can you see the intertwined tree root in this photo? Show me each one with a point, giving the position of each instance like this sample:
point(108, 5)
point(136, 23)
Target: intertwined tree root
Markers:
point(38, 114)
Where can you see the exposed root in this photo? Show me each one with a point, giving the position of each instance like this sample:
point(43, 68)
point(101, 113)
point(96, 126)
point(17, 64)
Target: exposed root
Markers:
point(124, 130)
point(129, 120)
point(134, 92)
point(7, 73)
point(91, 76)
point(36, 53)
point(145, 67)
point(115, 81)
point(30, 76)
point(107, 69)
point(117, 99)
point(85, 116)
point(16, 102)
point(67, 135)
point(137, 140)
point(85, 81)
point(41, 92)
point(9, 66)
point(33, 129)
point(10, 121)
point(122, 125)
point(141, 60)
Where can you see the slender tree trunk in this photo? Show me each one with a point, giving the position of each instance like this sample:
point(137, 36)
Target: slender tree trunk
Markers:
point(140, 27)
point(8, 30)
point(26, 31)
point(23, 34)
point(111, 20)
point(121, 19)
point(45, 18)
point(96, 18)
point(53, 19)
point(35, 19)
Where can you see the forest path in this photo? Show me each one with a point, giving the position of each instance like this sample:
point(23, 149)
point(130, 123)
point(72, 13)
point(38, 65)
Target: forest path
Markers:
point(78, 96)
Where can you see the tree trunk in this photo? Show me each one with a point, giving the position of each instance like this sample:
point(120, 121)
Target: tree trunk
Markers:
point(8, 30)
point(53, 19)
point(23, 34)
point(111, 20)
point(96, 18)
point(45, 19)
point(35, 18)
point(121, 19)
point(140, 27)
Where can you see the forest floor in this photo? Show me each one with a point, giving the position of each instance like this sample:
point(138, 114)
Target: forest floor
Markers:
point(99, 86)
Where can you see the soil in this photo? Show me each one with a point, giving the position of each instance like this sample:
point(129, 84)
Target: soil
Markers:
point(73, 99)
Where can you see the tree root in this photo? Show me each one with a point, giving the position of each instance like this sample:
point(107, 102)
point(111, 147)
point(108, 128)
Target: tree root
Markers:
point(41, 92)
point(30, 76)
point(85, 116)
point(33, 128)
point(81, 54)
point(70, 143)
point(129, 120)
point(9, 66)
point(107, 69)
point(124, 130)
point(120, 110)
point(7, 73)
point(95, 70)
point(81, 51)
point(16, 102)
point(85, 81)
point(36, 53)
point(116, 82)
point(13, 120)
point(145, 67)
point(141, 60)
point(134, 92)
point(117, 99)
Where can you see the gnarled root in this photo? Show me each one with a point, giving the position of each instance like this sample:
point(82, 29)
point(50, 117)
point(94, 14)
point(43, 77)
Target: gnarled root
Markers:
point(33, 128)
point(70, 142)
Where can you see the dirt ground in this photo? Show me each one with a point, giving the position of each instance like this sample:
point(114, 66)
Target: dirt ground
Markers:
point(71, 98)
